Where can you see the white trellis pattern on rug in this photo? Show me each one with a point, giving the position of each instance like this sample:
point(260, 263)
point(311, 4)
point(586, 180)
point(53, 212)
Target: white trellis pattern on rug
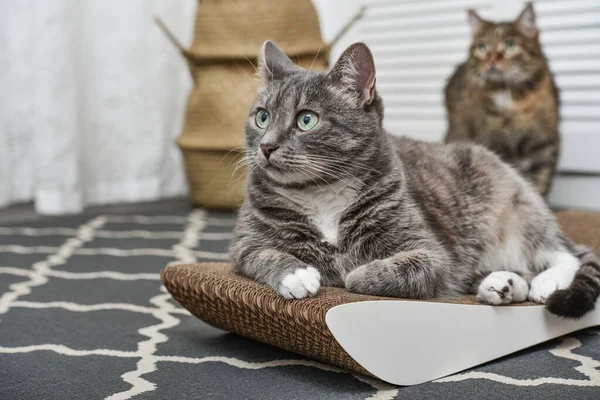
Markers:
point(168, 315)
point(163, 310)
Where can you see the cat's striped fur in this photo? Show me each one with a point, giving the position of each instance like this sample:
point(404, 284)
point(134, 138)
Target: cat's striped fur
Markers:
point(409, 219)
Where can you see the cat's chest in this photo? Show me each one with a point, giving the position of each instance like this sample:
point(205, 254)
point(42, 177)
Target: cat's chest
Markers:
point(502, 99)
point(323, 207)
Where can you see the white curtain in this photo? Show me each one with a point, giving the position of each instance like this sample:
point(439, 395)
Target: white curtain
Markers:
point(92, 98)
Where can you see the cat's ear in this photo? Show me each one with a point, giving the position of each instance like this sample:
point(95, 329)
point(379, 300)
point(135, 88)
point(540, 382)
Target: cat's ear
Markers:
point(273, 63)
point(353, 75)
point(475, 21)
point(526, 22)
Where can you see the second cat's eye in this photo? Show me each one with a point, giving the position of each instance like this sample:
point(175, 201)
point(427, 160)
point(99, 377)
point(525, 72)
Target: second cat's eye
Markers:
point(307, 120)
point(482, 48)
point(262, 118)
point(510, 46)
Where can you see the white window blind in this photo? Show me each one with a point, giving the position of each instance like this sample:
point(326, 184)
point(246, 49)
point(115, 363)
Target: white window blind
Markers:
point(417, 45)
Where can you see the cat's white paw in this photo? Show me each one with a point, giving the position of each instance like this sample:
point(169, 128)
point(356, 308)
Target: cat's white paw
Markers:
point(546, 283)
point(304, 282)
point(502, 287)
point(563, 267)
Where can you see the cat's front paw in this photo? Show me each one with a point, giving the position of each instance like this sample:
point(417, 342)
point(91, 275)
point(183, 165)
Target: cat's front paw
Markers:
point(546, 283)
point(502, 287)
point(304, 282)
point(558, 276)
point(368, 278)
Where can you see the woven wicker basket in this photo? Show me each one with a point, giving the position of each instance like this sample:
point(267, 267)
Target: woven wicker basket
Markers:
point(228, 35)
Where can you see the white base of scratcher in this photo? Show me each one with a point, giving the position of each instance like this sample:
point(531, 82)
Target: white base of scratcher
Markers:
point(410, 342)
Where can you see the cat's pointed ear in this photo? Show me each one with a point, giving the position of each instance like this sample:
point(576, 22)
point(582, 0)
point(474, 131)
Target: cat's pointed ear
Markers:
point(273, 63)
point(475, 21)
point(353, 75)
point(526, 22)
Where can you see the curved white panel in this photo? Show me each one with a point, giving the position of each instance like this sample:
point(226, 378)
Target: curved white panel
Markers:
point(411, 342)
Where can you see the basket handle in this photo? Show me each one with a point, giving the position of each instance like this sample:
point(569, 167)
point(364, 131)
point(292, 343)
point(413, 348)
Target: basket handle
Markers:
point(189, 58)
point(358, 15)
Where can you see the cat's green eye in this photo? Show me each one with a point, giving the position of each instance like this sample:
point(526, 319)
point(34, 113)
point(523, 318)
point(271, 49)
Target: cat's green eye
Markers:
point(307, 120)
point(482, 47)
point(262, 118)
point(510, 46)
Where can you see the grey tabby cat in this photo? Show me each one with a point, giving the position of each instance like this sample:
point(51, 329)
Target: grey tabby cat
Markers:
point(333, 200)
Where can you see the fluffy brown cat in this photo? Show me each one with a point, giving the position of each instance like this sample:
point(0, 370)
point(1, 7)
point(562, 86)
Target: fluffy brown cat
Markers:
point(504, 97)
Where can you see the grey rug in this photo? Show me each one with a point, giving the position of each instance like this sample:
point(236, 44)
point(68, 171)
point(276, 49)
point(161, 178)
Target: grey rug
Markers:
point(83, 316)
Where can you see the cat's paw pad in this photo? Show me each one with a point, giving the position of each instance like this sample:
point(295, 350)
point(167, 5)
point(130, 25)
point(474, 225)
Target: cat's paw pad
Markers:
point(502, 287)
point(304, 282)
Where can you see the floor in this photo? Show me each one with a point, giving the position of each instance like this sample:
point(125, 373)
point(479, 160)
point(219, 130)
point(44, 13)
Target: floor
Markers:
point(25, 212)
point(83, 315)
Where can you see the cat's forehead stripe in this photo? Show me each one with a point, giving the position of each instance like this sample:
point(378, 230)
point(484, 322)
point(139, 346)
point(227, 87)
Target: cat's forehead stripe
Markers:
point(291, 93)
point(303, 93)
point(281, 91)
point(499, 32)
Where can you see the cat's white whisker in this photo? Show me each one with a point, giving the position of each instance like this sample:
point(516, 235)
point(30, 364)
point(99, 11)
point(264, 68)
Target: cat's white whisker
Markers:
point(315, 59)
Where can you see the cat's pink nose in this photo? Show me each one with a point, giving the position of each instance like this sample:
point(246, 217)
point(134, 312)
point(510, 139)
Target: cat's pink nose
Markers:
point(267, 149)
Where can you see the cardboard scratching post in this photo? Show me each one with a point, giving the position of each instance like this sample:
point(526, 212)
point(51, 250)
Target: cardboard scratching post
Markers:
point(400, 341)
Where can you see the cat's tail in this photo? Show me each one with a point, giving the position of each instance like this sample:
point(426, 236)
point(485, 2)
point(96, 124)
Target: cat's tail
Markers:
point(580, 297)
